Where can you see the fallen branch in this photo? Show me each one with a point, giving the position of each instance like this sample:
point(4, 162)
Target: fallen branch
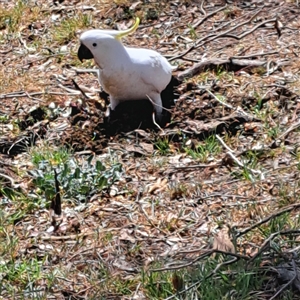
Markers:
point(211, 37)
point(237, 37)
point(254, 55)
point(265, 220)
point(205, 254)
point(229, 63)
point(26, 94)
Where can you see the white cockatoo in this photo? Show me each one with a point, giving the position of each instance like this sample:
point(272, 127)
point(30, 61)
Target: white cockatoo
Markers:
point(126, 73)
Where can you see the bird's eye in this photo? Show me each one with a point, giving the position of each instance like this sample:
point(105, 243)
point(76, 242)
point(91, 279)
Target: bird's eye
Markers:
point(94, 44)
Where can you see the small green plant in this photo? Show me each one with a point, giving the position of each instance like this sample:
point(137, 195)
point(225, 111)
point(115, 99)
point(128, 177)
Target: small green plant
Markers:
point(4, 119)
point(78, 180)
point(204, 150)
point(22, 203)
point(250, 162)
point(163, 146)
point(178, 191)
point(47, 155)
point(123, 286)
point(192, 32)
point(259, 104)
point(156, 33)
point(288, 194)
point(8, 242)
point(221, 73)
point(273, 132)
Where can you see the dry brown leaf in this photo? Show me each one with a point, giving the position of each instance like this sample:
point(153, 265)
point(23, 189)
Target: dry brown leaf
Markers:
point(177, 282)
point(134, 5)
point(222, 241)
point(159, 186)
point(142, 148)
point(126, 236)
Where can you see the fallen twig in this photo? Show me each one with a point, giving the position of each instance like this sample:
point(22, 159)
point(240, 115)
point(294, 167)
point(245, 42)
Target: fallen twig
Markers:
point(217, 99)
point(228, 63)
point(265, 220)
point(205, 254)
point(211, 37)
point(197, 166)
point(26, 94)
point(236, 160)
point(254, 55)
point(12, 182)
point(290, 129)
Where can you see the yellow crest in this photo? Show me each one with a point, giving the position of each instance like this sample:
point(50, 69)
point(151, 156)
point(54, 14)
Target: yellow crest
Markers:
point(128, 31)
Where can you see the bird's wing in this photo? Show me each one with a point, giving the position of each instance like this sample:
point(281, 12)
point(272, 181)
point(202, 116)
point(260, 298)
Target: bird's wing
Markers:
point(153, 68)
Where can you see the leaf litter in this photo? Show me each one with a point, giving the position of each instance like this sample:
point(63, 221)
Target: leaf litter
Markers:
point(238, 72)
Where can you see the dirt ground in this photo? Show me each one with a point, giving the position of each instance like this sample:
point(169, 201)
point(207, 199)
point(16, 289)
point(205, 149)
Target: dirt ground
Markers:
point(237, 81)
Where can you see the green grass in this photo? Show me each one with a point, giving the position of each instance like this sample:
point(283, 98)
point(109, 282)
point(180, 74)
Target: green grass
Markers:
point(16, 275)
point(223, 75)
point(66, 30)
point(11, 19)
point(205, 150)
point(158, 285)
point(192, 32)
point(163, 146)
point(207, 279)
point(47, 154)
point(24, 274)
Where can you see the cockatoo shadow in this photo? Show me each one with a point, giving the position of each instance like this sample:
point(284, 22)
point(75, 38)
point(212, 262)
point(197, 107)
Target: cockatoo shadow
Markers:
point(137, 114)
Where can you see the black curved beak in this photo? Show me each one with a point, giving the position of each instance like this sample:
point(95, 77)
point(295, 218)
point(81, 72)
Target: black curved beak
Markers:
point(84, 53)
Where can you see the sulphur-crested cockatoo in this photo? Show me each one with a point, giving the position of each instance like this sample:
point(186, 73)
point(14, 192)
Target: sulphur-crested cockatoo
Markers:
point(126, 73)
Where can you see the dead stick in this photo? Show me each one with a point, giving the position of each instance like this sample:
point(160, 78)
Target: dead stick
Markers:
point(265, 220)
point(254, 55)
